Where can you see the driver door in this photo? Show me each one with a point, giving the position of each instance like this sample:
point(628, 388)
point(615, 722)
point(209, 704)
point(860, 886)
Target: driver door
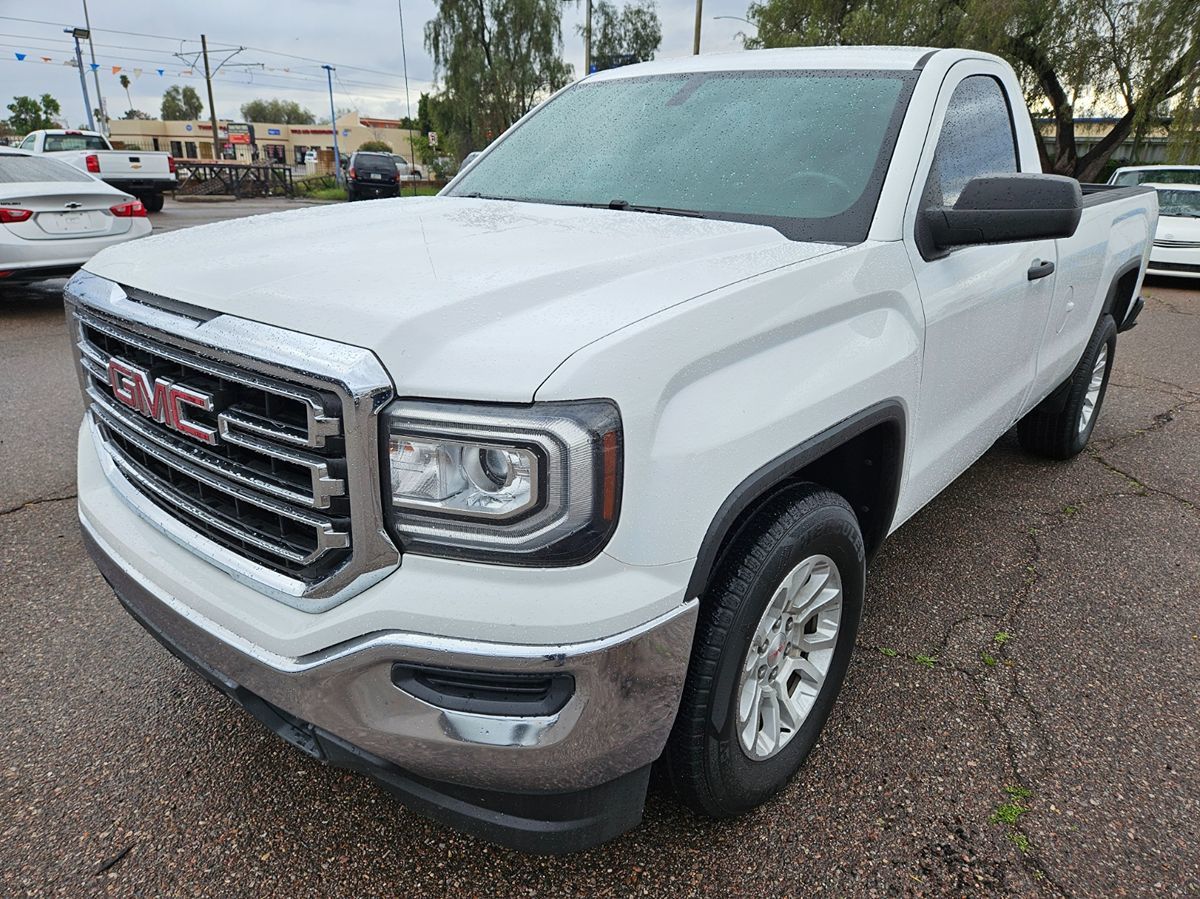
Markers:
point(984, 305)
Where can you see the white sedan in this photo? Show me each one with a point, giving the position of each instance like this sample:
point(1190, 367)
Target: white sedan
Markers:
point(1176, 249)
point(54, 218)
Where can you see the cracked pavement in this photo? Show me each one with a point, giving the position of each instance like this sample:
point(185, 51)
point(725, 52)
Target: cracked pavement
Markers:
point(1020, 716)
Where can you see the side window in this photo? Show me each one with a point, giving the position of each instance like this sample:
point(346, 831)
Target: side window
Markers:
point(977, 139)
point(27, 144)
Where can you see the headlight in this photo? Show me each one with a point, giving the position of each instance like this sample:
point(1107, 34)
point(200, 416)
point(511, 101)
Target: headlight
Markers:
point(533, 485)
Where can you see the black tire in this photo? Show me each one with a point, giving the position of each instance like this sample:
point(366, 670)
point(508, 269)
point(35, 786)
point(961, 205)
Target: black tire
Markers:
point(1052, 429)
point(705, 760)
point(152, 201)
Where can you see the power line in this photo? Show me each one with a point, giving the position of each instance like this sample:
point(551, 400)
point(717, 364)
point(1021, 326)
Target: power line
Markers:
point(161, 37)
point(213, 49)
point(171, 63)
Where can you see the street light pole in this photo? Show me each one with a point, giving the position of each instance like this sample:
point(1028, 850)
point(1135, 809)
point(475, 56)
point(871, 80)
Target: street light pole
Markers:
point(696, 36)
point(212, 109)
point(77, 33)
point(412, 150)
point(337, 156)
point(95, 71)
point(587, 41)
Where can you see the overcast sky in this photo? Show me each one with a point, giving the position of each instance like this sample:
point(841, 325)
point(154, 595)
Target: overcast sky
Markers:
point(360, 37)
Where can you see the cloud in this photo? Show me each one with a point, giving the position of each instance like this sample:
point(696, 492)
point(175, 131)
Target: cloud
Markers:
point(360, 37)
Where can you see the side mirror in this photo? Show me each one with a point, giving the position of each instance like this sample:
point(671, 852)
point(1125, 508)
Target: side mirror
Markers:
point(1006, 209)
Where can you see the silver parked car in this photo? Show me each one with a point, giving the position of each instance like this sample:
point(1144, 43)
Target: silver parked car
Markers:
point(405, 169)
point(54, 218)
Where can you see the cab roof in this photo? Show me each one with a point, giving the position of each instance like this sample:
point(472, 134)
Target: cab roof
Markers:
point(791, 58)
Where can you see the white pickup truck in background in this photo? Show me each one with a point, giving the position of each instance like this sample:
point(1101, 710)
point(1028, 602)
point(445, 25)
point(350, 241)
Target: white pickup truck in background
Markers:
point(594, 484)
point(145, 174)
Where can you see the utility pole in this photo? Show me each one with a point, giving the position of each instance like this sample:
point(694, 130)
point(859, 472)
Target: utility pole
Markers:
point(337, 156)
point(587, 40)
point(193, 59)
point(95, 72)
point(696, 36)
point(77, 33)
point(212, 110)
point(412, 152)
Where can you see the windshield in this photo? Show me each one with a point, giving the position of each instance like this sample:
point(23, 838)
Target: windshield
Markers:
point(24, 169)
point(56, 142)
point(1178, 202)
point(1162, 176)
point(804, 152)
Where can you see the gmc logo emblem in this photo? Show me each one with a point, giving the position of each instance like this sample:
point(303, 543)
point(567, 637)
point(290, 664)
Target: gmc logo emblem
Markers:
point(161, 400)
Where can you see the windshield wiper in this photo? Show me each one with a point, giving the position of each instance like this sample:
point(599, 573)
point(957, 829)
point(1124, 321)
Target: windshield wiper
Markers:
point(618, 205)
point(626, 206)
point(623, 206)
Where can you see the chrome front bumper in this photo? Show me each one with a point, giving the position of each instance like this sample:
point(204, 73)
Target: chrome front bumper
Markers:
point(627, 689)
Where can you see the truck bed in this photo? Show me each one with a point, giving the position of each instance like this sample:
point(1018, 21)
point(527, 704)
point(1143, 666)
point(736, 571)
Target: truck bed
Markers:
point(1096, 194)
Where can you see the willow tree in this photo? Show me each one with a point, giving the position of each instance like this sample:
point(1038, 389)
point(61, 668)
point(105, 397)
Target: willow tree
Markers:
point(1138, 59)
point(625, 36)
point(495, 59)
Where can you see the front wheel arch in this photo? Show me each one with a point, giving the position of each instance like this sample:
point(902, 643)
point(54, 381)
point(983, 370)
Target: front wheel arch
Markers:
point(861, 458)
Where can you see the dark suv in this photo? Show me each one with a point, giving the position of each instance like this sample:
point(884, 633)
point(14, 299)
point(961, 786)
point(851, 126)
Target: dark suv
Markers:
point(371, 175)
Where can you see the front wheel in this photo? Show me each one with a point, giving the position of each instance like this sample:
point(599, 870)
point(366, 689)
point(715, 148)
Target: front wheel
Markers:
point(1061, 430)
point(774, 639)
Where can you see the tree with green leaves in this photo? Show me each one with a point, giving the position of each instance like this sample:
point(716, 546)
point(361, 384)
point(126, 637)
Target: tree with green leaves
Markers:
point(496, 59)
point(125, 84)
point(132, 114)
point(1133, 58)
point(181, 104)
point(28, 114)
point(287, 112)
point(375, 146)
point(620, 38)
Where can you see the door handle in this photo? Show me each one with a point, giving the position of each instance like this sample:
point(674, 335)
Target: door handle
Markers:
point(1041, 268)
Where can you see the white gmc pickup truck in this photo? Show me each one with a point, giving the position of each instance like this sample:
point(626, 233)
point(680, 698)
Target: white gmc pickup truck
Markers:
point(143, 173)
point(507, 494)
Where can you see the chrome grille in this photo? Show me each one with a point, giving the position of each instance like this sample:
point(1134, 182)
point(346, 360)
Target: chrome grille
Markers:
point(266, 489)
point(1176, 244)
point(253, 490)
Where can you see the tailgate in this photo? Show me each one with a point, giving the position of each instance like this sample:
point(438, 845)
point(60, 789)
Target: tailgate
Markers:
point(120, 163)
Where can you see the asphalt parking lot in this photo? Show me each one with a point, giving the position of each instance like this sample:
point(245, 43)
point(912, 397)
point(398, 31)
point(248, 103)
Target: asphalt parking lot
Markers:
point(1021, 716)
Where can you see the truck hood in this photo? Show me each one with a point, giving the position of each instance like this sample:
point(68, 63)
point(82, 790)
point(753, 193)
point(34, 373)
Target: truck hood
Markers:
point(460, 298)
point(1177, 227)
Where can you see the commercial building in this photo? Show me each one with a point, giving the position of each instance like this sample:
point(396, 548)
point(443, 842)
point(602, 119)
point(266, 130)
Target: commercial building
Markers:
point(259, 142)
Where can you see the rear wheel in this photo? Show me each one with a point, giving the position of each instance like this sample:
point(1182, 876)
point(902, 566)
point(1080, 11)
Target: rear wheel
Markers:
point(1060, 429)
point(152, 201)
point(773, 642)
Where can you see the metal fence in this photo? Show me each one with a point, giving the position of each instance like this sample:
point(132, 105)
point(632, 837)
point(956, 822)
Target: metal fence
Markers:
point(236, 179)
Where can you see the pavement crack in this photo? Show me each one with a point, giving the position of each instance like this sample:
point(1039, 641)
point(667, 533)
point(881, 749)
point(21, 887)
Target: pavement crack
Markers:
point(1142, 487)
point(995, 679)
point(29, 504)
point(1161, 420)
point(1158, 385)
point(998, 709)
point(1170, 305)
